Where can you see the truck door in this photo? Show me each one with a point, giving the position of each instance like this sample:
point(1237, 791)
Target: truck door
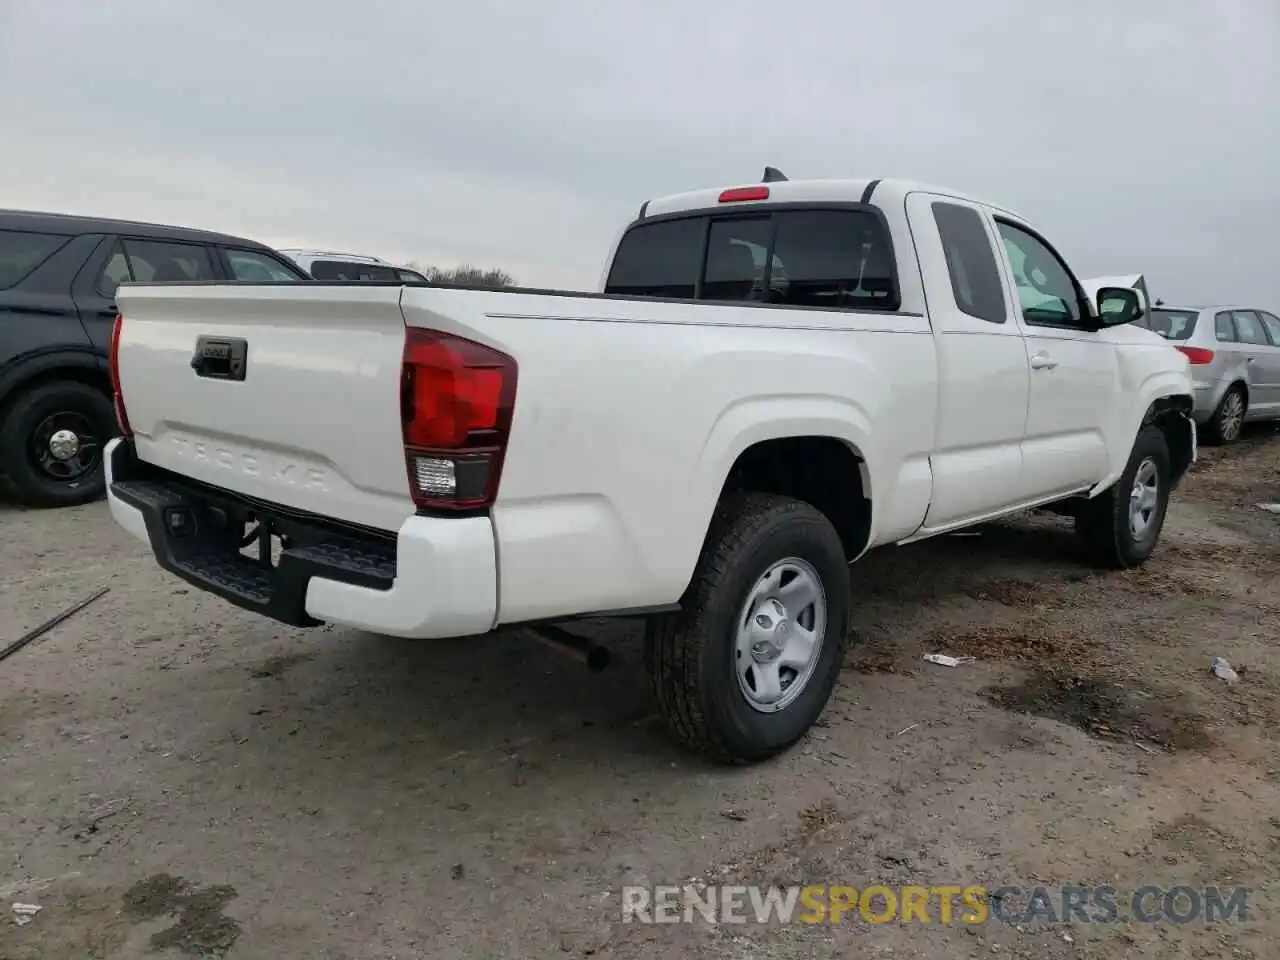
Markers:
point(984, 384)
point(1074, 372)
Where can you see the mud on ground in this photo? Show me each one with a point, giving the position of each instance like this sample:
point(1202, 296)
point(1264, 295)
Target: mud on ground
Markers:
point(178, 779)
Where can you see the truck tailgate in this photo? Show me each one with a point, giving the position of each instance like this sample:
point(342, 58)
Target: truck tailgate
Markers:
point(311, 417)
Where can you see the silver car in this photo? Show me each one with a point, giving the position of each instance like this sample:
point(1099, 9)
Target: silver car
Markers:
point(1235, 363)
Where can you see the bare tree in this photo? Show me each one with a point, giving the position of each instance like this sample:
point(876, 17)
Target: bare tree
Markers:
point(466, 275)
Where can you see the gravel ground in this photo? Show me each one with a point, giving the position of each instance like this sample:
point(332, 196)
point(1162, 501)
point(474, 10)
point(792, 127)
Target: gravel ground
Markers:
point(178, 779)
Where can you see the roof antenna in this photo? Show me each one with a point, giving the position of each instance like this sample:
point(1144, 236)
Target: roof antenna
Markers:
point(772, 175)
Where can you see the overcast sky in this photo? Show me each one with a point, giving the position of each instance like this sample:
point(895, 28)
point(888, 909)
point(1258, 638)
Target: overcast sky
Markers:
point(1141, 135)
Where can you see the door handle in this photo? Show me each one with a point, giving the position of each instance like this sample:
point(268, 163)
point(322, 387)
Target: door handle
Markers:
point(1042, 361)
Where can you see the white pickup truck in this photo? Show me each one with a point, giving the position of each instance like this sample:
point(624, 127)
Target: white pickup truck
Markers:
point(774, 379)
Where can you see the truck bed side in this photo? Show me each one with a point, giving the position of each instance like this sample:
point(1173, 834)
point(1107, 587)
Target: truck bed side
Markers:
point(630, 413)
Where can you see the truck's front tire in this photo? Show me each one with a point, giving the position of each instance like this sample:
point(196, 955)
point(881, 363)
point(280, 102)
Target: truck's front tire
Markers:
point(1120, 528)
point(748, 664)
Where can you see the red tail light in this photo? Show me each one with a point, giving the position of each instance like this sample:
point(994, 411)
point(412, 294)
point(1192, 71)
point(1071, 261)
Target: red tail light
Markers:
point(456, 398)
point(739, 194)
point(113, 367)
point(1197, 355)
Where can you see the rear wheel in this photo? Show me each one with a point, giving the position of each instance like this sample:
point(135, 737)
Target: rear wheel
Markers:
point(1225, 424)
point(749, 663)
point(51, 443)
point(1120, 527)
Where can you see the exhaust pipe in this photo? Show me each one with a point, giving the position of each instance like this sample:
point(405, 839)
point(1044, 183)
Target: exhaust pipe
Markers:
point(586, 651)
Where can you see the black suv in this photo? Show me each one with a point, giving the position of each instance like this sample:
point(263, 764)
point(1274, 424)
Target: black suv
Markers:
point(58, 279)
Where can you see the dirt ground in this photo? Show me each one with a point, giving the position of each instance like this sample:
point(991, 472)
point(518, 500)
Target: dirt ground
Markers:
point(180, 779)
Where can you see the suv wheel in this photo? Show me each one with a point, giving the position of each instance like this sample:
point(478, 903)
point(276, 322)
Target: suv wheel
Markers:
point(748, 664)
point(51, 443)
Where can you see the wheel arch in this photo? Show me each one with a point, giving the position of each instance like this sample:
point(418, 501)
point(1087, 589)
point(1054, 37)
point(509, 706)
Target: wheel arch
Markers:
point(827, 472)
point(81, 365)
point(1172, 415)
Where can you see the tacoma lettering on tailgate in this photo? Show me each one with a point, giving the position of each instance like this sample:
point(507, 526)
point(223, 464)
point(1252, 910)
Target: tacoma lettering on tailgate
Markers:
point(261, 466)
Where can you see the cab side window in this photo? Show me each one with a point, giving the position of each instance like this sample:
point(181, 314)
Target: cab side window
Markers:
point(1047, 293)
point(1223, 328)
point(975, 278)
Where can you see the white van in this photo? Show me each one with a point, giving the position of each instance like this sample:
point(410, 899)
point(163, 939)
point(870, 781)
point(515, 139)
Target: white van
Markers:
point(350, 267)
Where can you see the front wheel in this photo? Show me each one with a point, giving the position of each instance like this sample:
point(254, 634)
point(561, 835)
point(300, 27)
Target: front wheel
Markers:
point(749, 663)
point(1120, 528)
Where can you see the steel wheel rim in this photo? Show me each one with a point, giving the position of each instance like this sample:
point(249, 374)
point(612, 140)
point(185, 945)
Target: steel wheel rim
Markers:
point(65, 447)
point(780, 632)
point(1232, 415)
point(1144, 499)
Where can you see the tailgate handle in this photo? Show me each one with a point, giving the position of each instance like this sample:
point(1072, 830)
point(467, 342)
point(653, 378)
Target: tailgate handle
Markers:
point(220, 358)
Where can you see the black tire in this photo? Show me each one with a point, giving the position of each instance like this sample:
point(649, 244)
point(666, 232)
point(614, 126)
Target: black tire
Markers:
point(31, 414)
point(691, 656)
point(1104, 524)
point(1225, 424)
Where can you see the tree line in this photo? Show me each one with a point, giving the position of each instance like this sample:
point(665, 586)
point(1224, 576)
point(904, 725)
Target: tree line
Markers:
point(466, 274)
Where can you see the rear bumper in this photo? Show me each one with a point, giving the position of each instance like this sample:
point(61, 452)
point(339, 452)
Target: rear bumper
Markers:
point(435, 577)
point(1207, 395)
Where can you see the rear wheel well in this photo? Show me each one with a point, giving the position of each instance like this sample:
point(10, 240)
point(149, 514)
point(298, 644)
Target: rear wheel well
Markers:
point(89, 376)
point(823, 472)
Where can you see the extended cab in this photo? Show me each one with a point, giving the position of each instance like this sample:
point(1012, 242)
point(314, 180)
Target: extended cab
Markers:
point(774, 379)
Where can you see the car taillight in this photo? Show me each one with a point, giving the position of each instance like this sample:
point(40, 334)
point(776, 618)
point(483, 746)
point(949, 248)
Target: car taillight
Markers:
point(113, 368)
point(1197, 355)
point(456, 399)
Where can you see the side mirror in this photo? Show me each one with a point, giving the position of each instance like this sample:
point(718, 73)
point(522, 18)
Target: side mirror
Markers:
point(1117, 305)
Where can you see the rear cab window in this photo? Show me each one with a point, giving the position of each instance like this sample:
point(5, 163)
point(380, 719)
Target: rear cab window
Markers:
point(833, 258)
point(21, 252)
point(1171, 324)
point(660, 259)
